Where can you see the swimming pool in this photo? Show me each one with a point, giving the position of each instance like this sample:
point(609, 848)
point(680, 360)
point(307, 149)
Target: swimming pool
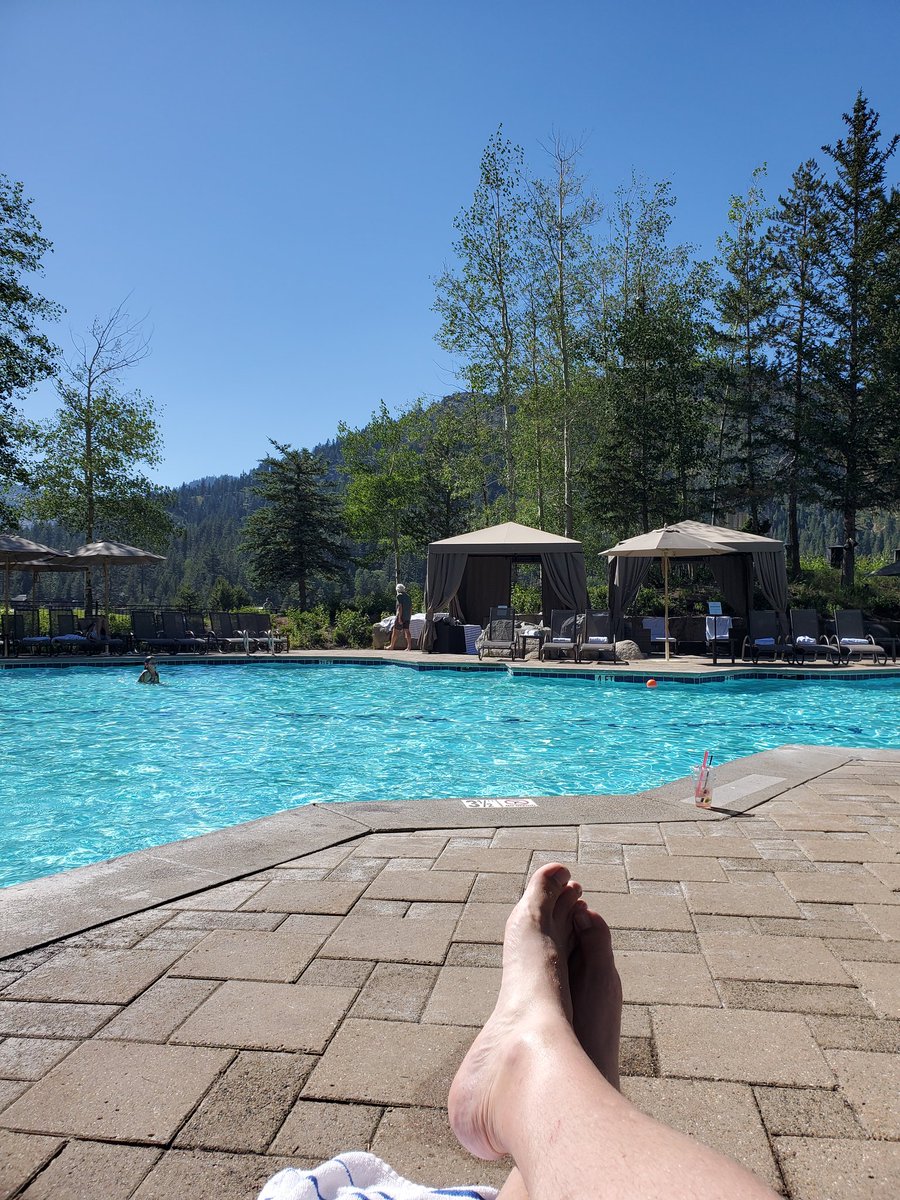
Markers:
point(94, 766)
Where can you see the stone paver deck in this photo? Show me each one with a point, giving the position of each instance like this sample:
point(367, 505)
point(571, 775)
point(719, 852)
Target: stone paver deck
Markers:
point(186, 1021)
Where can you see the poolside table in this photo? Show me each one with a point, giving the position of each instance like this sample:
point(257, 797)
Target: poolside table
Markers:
point(522, 639)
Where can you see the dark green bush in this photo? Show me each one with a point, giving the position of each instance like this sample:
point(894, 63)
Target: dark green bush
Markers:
point(352, 628)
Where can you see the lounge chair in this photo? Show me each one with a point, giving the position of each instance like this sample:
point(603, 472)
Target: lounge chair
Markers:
point(655, 626)
point(25, 633)
point(196, 627)
point(806, 641)
point(851, 639)
point(147, 633)
point(259, 627)
point(174, 627)
point(764, 637)
point(595, 635)
point(229, 632)
point(500, 632)
point(563, 636)
point(65, 635)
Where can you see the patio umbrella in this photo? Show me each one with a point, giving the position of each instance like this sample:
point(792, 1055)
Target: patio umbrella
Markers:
point(119, 555)
point(664, 543)
point(15, 549)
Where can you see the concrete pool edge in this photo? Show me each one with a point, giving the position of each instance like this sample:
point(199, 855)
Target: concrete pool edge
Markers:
point(692, 669)
point(44, 910)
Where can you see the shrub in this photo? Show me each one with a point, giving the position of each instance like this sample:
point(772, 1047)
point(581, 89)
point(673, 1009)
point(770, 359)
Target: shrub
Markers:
point(352, 628)
point(525, 599)
point(309, 630)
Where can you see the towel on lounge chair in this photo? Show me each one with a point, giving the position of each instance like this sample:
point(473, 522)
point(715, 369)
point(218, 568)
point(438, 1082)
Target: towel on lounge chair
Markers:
point(354, 1175)
point(854, 641)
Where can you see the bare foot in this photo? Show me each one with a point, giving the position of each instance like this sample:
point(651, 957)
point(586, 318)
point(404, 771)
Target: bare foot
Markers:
point(534, 999)
point(596, 992)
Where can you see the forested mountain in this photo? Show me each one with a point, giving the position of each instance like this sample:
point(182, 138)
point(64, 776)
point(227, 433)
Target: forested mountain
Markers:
point(612, 381)
point(209, 513)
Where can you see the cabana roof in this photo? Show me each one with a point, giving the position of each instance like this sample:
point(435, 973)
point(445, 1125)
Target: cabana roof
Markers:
point(470, 574)
point(733, 539)
point(507, 538)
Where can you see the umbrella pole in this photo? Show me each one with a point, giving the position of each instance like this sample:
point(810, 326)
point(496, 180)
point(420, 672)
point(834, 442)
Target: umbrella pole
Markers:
point(666, 601)
point(6, 612)
point(106, 603)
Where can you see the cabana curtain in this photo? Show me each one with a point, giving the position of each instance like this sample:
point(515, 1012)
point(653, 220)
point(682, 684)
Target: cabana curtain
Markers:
point(748, 554)
point(625, 579)
point(770, 572)
point(467, 575)
point(568, 578)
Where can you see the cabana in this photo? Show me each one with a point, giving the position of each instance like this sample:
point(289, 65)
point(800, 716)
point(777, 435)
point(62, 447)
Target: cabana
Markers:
point(748, 559)
point(469, 574)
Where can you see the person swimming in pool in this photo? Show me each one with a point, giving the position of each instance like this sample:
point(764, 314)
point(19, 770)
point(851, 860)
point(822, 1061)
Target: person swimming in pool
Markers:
point(149, 674)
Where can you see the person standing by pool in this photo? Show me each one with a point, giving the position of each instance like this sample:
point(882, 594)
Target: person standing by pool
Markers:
point(402, 617)
point(149, 673)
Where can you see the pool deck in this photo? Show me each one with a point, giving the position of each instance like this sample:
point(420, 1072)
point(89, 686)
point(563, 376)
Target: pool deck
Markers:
point(189, 1019)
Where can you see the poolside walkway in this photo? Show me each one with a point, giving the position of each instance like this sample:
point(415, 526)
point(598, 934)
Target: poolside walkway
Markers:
point(185, 1021)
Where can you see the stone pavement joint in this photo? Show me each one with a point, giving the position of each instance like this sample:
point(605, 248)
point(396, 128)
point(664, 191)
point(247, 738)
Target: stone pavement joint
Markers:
point(310, 984)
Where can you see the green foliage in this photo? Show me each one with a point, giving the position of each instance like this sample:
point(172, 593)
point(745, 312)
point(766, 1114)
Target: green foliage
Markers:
point(188, 599)
point(352, 628)
point(297, 533)
point(310, 630)
point(820, 586)
point(228, 597)
point(525, 599)
point(89, 478)
point(26, 354)
point(861, 314)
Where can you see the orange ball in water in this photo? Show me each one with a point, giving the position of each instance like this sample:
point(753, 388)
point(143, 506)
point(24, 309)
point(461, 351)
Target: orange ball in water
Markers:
point(651, 683)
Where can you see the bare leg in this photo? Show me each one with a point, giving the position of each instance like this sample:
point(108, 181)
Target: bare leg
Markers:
point(527, 1087)
point(596, 1010)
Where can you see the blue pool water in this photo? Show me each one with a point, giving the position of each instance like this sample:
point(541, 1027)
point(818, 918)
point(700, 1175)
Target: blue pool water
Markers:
point(94, 766)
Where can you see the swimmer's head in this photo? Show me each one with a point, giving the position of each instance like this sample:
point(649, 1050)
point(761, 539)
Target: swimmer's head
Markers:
point(149, 661)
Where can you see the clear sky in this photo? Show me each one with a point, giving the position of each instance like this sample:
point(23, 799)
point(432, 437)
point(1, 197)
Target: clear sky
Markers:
point(274, 182)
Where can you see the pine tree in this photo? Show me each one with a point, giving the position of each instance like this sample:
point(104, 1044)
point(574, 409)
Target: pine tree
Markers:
point(298, 533)
point(747, 301)
point(797, 236)
point(861, 311)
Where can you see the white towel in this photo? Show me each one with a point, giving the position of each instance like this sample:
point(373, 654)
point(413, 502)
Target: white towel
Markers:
point(354, 1175)
point(804, 640)
point(854, 641)
point(717, 628)
point(596, 641)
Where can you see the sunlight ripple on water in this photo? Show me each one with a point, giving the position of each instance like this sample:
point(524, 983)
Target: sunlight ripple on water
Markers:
point(94, 766)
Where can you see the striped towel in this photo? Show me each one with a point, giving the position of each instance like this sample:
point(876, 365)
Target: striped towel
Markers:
point(472, 632)
point(358, 1176)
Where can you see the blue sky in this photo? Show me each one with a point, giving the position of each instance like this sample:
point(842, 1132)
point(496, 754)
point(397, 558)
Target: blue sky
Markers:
point(274, 183)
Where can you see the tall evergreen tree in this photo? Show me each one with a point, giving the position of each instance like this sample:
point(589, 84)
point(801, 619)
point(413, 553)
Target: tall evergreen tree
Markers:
point(798, 237)
point(747, 302)
point(649, 433)
point(861, 310)
point(26, 354)
point(298, 533)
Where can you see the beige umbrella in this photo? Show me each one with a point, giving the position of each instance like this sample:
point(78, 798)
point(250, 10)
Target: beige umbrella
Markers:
point(119, 555)
point(15, 549)
point(668, 542)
